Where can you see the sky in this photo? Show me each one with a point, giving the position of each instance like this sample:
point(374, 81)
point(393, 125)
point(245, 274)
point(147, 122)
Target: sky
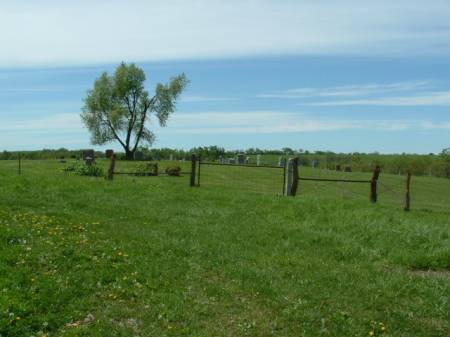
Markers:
point(344, 76)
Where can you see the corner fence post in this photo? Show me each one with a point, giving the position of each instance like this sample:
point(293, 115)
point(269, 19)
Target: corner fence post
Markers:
point(292, 177)
point(373, 184)
point(112, 166)
point(407, 196)
point(193, 169)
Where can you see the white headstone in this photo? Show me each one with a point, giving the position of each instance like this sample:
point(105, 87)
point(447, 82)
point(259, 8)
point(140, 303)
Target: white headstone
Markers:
point(258, 160)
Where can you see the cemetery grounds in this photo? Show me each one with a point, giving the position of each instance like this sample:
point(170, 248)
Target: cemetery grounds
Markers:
point(151, 256)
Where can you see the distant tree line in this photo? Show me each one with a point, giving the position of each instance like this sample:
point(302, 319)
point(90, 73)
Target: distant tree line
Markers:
point(418, 164)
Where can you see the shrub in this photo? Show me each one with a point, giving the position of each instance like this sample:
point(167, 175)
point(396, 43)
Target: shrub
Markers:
point(82, 169)
point(173, 171)
point(148, 169)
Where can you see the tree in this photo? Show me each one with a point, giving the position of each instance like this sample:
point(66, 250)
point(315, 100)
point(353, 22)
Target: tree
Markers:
point(118, 108)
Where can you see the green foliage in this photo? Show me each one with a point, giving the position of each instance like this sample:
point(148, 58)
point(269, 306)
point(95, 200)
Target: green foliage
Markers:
point(173, 170)
point(147, 169)
point(82, 169)
point(118, 108)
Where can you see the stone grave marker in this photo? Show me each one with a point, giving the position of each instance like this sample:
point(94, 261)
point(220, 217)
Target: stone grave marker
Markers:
point(88, 156)
point(241, 159)
point(258, 160)
point(109, 153)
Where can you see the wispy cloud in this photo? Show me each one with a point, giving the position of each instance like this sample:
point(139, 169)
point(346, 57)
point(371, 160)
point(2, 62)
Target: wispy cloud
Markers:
point(80, 32)
point(350, 90)
point(269, 122)
point(412, 93)
point(439, 98)
point(199, 99)
point(58, 123)
point(66, 129)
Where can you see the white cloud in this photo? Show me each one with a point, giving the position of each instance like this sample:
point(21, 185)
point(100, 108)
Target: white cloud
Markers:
point(412, 93)
point(199, 99)
point(269, 122)
point(51, 32)
point(59, 123)
point(350, 90)
point(66, 129)
point(439, 98)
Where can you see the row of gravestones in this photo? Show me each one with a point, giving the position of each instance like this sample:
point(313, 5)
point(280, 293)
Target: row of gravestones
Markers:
point(241, 159)
point(89, 155)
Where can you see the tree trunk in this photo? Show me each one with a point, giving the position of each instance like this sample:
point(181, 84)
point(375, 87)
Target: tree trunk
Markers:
point(129, 154)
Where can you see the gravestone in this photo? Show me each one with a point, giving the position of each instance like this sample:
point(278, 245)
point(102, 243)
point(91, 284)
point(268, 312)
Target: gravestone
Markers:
point(109, 153)
point(338, 167)
point(89, 153)
point(139, 155)
point(258, 160)
point(241, 159)
point(88, 156)
point(347, 169)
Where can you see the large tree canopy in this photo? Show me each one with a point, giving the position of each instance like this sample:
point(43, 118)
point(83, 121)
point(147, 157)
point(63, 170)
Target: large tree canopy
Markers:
point(118, 108)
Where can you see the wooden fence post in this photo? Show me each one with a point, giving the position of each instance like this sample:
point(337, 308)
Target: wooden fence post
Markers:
point(407, 196)
point(20, 164)
point(373, 184)
point(199, 166)
point(193, 169)
point(292, 177)
point(112, 166)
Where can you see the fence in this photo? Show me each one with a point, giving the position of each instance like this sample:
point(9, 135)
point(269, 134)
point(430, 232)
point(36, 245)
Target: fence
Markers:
point(197, 165)
point(294, 183)
point(407, 192)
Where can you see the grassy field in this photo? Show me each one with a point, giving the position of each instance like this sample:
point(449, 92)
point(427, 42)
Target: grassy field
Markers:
point(147, 256)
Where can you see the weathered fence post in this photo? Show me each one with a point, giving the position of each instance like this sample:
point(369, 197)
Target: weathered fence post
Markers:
point(292, 177)
point(20, 164)
point(407, 196)
point(199, 166)
point(112, 166)
point(193, 169)
point(284, 177)
point(373, 184)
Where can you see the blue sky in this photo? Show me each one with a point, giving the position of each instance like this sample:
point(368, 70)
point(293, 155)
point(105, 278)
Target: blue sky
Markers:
point(342, 76)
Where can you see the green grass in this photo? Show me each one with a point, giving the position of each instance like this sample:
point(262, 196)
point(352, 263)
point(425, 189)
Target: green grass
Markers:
point(150, 256)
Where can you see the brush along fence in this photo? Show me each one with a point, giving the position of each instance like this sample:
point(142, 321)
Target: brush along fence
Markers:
point(145, 169)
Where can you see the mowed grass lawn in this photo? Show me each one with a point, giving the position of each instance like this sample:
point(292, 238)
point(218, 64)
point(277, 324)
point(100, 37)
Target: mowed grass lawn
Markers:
point(146, 256)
